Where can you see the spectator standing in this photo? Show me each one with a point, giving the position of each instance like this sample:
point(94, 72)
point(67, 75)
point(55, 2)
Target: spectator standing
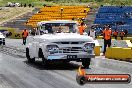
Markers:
point(107, 38)
point(25, 5)
point(115, 34)
point(29, 5)
point(92, 33)
point(21, 5)
point(33, 31)
point(82, 28)
point(24, 35)
point(44, 5)
point(32, 5)
point(122, 34)
point(126, 32)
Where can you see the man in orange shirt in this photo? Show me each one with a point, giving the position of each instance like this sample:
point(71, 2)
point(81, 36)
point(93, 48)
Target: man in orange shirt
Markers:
point(82, 28)
point(115, 34)
point(107, 38)
point(24, 35)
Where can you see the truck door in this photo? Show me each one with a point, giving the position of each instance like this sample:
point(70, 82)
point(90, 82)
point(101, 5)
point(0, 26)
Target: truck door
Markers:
point(35, 49)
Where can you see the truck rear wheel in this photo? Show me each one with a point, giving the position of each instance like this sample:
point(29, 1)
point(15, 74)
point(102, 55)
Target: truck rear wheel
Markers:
point(86, 62)
point(28, 56)
point(3, 43)
point(44, 62)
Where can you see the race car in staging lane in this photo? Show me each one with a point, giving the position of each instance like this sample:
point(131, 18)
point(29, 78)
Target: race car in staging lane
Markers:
point(59, 40)
point(2, 39)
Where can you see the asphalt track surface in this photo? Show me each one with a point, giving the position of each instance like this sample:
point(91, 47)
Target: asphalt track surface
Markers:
point(16, 72)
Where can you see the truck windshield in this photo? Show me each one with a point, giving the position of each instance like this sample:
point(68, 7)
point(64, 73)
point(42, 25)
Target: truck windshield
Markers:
point(60, 27)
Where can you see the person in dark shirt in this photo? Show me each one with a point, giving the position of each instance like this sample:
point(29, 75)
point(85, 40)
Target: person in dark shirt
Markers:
point(25, 5)
point(115, 34)
point(126, 32)
point(122, 34)
point(49, 28)
point(29, 5)
point(33, 31)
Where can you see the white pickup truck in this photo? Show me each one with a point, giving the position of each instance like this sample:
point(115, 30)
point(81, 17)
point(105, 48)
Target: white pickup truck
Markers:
point(59, 40)
point(2, 39)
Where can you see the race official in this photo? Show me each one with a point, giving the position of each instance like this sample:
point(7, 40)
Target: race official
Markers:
point(107, 38)
point(24, 36)
point(82, 27)
point(115, 34)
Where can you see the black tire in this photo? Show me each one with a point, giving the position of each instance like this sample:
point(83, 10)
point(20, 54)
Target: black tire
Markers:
point(28, 56)
point(40, 53)
point(3, 41)
point(86, 62)
point(44, 61)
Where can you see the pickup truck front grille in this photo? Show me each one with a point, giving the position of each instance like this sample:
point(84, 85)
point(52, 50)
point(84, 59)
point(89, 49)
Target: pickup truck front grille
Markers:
point(71, 50)
point(72, 42)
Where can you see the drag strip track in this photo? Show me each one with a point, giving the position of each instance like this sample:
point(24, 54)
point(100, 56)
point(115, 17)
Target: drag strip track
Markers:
point(13, 51)
point(18, 73)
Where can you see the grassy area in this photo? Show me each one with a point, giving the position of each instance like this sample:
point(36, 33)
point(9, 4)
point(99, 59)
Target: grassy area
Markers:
point(35, 2)
point(9, 13)
point(39, 3)
point(42, 2)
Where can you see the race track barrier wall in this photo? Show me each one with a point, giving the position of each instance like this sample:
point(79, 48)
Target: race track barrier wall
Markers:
point(13, 33)
point(119, 53)
point(118, 38)
point(129, 43)
point(97, 48)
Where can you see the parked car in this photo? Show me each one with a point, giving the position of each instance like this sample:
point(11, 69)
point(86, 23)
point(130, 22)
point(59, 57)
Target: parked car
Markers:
point(11, 4)
point(2, 39)
point(60, 41)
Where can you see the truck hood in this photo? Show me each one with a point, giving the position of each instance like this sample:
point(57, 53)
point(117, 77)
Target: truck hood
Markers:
point(66, 37)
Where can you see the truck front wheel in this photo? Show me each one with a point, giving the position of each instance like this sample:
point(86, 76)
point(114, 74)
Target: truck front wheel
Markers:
point(44, 61)
point(28, 56)
point(86, 62)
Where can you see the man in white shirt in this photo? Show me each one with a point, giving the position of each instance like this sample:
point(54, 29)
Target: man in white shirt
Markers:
point(92, 33)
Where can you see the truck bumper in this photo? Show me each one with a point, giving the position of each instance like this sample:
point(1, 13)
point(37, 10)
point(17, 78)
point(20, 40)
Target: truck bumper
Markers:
point(71, 57)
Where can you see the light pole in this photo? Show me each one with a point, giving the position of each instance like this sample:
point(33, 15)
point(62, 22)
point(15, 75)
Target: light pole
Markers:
point(61, 12)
